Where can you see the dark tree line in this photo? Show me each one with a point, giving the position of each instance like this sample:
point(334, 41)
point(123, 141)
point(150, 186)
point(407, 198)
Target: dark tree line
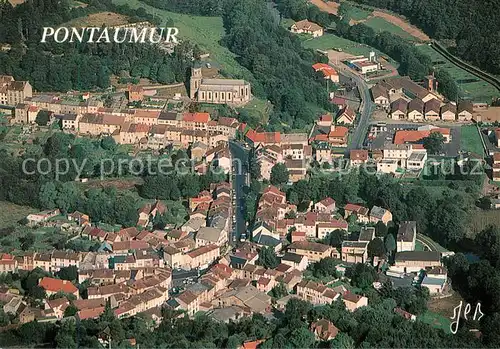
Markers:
point(65, 66)
point(193, 7)
point(47, 188)
point(473, 24)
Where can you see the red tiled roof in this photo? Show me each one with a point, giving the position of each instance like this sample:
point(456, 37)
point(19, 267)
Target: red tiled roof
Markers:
point(130, 245)
point(56, 285)
point(338, 101)
point(355, 208)
point(196, 117)
point(320, 66)
point(334, 223)
point(263, 137)
point(252, 344)
point(329, 72)
point(202, 250)
point(326, 118)
point(153, 114)
point(338, 132)
point(98, 233)
point(138, 128)
point(90, 313)
point(359, 154)
point(225, 121)
point(327, 201)
point(412, 136)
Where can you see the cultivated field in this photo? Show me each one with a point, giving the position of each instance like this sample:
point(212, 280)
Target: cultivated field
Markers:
point(98, 19)
point(380, 24)
point(403, 24)
point(470, 140)
point(389, 20)
point(204, 31)
point(331, 41)
point(470, 85)
point(480, 220)
point(329, 6)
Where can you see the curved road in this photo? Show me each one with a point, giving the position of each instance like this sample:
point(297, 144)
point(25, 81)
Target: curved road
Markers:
point(365, 109)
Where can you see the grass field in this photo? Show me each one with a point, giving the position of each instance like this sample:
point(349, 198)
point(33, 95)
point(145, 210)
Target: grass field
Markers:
point(357, 14)
point(470, 85)
point(419, 246)
point(259, 109)
point(331, 41)
point(11, 213)
point(436, 320)
point(204, 31)
point(97, 20)
point(470, 140)
point(379, 24)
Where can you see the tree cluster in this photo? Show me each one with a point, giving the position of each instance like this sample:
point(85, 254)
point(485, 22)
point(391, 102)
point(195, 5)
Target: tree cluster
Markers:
point(29, 186)
point(55, 66)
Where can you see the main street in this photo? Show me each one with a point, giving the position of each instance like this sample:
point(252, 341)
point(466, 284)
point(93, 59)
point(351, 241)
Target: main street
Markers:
point(365, 108)
point(239, 175)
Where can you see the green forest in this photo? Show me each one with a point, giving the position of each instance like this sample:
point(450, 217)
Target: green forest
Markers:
point(62, 67)
point(473, 24)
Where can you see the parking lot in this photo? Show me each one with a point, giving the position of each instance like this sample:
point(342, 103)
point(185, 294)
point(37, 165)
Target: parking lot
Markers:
point(385, 134)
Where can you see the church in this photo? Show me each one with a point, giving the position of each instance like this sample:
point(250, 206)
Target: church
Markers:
point(218, 91)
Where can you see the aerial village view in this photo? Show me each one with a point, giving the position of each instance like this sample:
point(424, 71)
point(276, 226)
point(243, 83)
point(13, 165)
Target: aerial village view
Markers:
point(249, 174)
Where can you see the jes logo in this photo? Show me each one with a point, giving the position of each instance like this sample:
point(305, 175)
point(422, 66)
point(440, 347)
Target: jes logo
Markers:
point(92, 35)
point(457, 312)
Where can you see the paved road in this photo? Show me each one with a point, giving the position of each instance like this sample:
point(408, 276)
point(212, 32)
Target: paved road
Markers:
point(240, 156)
point(178, 276)
point(365, 108)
